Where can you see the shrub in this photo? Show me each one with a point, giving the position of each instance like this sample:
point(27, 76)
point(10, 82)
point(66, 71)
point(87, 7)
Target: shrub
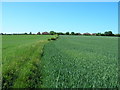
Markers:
point(52, 33)
point(67, 33)
point(108, 33)
point(53, 38)
point(72, 33)
point(49, 39)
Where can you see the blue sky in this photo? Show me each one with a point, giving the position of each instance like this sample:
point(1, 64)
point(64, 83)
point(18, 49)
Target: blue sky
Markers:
point(60, 17)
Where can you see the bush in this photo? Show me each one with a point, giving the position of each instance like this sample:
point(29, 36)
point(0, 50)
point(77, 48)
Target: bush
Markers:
point(52, 33)
point(72, 33)
point(49, 39)
point(67, 33)
point(108, 33)
point(53, 38)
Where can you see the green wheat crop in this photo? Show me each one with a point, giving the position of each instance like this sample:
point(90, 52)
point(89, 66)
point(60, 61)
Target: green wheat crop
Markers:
point(81, 62)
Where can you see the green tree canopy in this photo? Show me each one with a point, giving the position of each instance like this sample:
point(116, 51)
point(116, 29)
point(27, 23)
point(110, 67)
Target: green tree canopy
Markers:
point(67, 33)
point(108, 33)
point(72, 33)
point(52, 32)
point(30, 33)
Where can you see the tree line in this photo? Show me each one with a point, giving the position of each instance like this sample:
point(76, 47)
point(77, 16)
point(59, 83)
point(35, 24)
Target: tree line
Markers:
point(107, 33)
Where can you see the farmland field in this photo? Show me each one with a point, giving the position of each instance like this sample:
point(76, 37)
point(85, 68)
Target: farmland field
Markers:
point(31, 61)
point(21, 56)
point(80, 62)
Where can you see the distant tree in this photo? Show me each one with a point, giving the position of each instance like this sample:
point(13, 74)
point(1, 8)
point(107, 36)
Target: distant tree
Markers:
point(75, 33)
point(45, 33)
point(118, 35)
point(60, 33)
point(67, 33)
point(102, 34)
point(72, 33)
point(1, 34)
point(38, 33)
point(52, 33)
point(78, 34)
point(108, 33)
point(86, 34)
point(93, 34)
point(98, 34)
point(30, 33)
point(25, 33)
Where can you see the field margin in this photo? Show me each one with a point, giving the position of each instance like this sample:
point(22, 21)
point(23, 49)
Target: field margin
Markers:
point(0, 62)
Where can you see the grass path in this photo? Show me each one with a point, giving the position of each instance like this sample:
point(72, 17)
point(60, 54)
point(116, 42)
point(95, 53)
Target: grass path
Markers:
point(21, 60)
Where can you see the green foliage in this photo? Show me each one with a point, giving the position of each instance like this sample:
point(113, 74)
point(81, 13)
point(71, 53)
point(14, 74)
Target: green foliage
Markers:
point(30, 33)
point(25, 33)
point(80, 62)
point(52, 33)
point(77, 33)
point(98, 34)
point(102, 34)
point(67, 33)
point(72, 33)
point(53, 38)
point(108, 33)
point(117, 35)
point(60, 33)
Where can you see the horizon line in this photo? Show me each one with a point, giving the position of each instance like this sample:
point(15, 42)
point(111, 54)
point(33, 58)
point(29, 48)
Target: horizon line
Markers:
point(56, 32)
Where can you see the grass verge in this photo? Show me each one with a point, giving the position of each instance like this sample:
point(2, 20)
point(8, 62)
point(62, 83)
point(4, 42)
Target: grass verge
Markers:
point(21, 61)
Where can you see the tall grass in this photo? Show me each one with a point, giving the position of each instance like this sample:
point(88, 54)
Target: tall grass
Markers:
point(21, 60)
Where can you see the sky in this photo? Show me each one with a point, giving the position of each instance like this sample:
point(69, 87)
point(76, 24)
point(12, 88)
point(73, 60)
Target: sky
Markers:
point(60, 0)
point(81, 17)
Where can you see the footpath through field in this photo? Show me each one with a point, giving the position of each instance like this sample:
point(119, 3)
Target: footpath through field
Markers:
point(21, 57)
